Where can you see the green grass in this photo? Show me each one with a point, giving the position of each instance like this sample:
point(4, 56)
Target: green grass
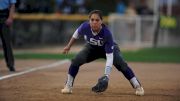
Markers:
point(41, 56)
point(153, 55)
point(170, 55)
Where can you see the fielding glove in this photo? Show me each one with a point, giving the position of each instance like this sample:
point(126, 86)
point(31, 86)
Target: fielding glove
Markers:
point(102, 85)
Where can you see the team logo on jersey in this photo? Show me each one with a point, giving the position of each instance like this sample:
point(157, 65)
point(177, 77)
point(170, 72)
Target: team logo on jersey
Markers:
point(95, 42)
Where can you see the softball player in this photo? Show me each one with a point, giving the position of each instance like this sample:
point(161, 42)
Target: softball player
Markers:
point(99, 44)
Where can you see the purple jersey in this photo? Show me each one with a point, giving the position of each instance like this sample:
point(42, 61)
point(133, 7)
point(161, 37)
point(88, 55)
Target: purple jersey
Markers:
point(102, 39)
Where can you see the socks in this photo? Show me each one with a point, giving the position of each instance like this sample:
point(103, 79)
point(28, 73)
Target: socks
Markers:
point(135, 83)
point(69, 81)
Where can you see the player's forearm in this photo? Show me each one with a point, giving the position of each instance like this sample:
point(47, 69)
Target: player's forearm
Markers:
point(73, 38)
point(71, 42)
point(11, 11)
point(109, 63)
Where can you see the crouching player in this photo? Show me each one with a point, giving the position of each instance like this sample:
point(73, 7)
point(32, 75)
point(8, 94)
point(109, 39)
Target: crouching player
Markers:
point(99, 44)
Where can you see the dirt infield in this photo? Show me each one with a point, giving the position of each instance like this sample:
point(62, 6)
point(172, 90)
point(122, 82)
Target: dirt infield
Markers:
point(161, 82)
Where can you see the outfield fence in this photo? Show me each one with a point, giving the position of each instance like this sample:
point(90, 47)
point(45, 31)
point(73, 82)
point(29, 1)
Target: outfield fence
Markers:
point(55, 29)
point(139, 31)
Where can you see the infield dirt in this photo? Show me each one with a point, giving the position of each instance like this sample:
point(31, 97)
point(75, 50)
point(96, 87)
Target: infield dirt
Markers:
point(161, 82)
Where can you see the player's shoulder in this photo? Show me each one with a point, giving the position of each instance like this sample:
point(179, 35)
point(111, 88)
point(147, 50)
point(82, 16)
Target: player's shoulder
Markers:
point(106, 29)
point(84, 27)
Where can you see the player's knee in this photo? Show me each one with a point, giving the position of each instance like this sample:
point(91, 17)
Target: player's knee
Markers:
point(78, 61)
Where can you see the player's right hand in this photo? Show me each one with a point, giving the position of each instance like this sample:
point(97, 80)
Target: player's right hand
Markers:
point(9, 21)
point(66, 50)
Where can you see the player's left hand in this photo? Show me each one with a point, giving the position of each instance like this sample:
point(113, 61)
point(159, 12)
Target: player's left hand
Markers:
point(102, 85)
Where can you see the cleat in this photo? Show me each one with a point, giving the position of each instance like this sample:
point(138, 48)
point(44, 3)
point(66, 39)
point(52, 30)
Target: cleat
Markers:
point(139, 91)
point(67, 90)
point(12, 69)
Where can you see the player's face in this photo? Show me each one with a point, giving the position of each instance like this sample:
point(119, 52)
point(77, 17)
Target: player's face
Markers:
point(95, 22)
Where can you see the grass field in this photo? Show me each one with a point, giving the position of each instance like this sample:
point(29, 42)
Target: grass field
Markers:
point(141, 55)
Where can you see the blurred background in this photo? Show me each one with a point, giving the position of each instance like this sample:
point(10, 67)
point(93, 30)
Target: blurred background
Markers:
point(134, 23)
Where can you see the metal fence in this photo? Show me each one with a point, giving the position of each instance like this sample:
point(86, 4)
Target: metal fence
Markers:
point(139, 31)
point(128, 31)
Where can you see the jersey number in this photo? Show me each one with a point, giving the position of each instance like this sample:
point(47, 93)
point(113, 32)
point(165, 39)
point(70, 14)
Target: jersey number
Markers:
point(96, 42)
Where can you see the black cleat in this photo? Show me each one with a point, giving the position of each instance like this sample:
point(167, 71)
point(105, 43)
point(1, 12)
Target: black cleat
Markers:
point(12, 69)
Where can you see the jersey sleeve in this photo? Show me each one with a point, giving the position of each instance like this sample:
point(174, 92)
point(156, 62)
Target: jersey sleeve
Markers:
point(78, 31)
point(76, 34)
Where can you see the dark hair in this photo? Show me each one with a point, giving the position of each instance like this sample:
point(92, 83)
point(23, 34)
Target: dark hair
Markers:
point(98, 12)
